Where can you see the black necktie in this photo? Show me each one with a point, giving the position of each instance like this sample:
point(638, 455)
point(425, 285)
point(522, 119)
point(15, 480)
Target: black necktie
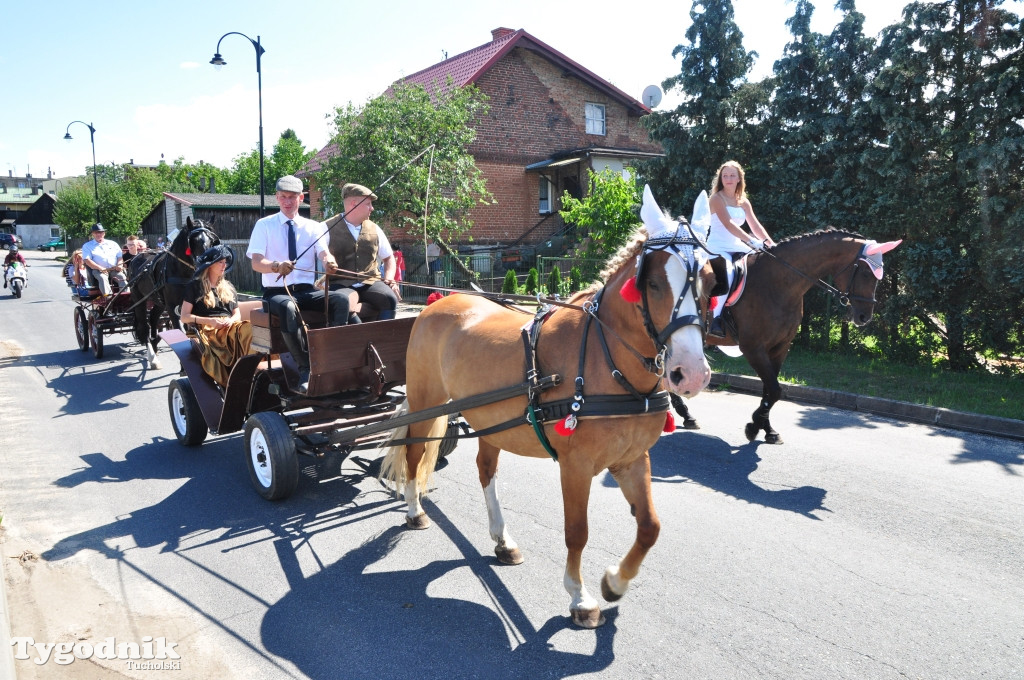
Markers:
point(293, 251)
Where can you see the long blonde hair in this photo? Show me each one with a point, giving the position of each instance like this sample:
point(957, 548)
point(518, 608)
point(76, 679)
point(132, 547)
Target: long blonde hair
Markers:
point(225, 291)
point(741, 187)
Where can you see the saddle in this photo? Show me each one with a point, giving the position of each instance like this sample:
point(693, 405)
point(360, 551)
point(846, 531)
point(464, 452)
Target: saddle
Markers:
point(721, 266)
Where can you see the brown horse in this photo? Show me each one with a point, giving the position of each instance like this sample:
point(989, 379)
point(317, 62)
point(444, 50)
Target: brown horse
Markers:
point(465, 345)
point(765, 319)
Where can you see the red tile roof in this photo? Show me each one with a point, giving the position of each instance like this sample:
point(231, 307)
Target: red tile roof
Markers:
point(465, 68)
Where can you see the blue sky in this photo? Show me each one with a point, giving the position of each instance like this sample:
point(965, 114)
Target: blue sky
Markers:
point(139, 70)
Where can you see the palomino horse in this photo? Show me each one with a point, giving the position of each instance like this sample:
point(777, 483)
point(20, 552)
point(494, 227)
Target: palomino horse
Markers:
point(464, 345)
point(159, 277)
point(765, 319)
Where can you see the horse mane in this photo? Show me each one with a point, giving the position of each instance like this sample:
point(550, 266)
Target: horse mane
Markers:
point(820, 233)
point(626, 253)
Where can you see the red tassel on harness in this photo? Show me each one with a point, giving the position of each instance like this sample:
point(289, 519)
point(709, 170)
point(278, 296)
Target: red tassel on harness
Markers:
point(434, 297)
point(629, 291)
point(670, 422)
point(566, 426)
point(188, 252)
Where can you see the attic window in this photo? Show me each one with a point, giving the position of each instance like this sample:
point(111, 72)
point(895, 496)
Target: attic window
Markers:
point(595, 119)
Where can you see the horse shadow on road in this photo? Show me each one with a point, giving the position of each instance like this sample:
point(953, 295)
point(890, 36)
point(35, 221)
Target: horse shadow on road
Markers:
point(707, 460)
point(345, 619)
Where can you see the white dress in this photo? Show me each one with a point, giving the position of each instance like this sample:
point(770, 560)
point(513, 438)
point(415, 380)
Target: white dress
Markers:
point(721, 240)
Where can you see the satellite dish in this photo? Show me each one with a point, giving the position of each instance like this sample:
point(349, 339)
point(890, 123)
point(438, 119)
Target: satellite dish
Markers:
point(651, 96)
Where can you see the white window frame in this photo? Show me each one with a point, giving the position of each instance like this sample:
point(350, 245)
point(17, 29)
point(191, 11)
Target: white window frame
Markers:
point(595, 115)
point(546, 196)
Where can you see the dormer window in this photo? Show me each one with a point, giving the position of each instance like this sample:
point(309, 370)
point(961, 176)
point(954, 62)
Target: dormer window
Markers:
point(595, 119)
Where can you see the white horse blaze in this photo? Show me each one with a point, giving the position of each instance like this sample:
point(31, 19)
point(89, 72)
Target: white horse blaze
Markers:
point(686, 367)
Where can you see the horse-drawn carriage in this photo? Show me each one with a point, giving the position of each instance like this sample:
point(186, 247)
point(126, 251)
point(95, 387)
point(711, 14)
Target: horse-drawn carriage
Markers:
point(97, 317)
point(357, 373)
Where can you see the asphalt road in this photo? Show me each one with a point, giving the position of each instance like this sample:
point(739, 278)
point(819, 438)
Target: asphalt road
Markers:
point(861, 548)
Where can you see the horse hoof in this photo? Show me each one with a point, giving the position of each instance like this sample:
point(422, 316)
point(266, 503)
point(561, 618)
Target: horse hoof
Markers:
point(607, 593)
point(509, 555)
point(418, 522)
point(772, 438)
point(588, 618)
point(690, 424)
point(155, 365)
point(751, 431)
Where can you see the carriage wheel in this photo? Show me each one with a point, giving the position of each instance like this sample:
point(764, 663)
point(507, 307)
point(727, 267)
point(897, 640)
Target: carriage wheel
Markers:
point(273, 462)
point(186, 417)
point(16, 288)
point(451, 437)
point(96, 338)
point(81, 329)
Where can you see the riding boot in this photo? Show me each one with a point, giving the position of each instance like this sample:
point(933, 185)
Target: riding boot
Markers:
point(386, 315)
point(717, 329)
point(300, 357)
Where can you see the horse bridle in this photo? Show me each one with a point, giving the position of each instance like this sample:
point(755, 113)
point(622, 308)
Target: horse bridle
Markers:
point(674, 244)
point(842, 298)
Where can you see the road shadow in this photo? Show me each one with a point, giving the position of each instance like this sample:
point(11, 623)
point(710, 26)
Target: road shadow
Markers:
point(706, 460)
point(90, 385)
point(386, 624)
point(1007, 454)
point(344, 620)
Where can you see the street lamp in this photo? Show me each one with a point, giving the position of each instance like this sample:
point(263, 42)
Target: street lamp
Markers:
point(92, 140)
point(217, 62)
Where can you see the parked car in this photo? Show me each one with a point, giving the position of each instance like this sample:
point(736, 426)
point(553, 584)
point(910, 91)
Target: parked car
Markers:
point(7, 240)
point(55, 243)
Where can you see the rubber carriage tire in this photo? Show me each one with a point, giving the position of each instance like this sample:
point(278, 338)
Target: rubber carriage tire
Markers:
point(186, 417)
point(96, 338)
point(16, 288)
point(451, 437)
point(270, 455)
point(81, 329)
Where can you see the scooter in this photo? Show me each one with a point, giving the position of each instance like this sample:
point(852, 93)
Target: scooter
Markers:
point(16, 276)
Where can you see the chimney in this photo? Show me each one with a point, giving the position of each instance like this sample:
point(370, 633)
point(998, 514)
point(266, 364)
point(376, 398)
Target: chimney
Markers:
point(49, 173)
point(500, 32)
point(213, 189)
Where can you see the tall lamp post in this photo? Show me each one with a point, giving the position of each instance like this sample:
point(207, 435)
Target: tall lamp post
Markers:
point(217, 62)
point(92, 140)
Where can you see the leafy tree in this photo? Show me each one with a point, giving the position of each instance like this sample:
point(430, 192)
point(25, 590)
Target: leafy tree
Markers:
point(75, 209)
point(286, 158)
point(607, 216)
point(375, 142)
point(575, 279)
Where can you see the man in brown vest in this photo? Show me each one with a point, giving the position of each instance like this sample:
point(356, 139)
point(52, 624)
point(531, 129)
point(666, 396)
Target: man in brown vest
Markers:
point(360, 246)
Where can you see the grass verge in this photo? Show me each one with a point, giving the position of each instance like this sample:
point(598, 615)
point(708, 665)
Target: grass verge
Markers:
point(981, 393)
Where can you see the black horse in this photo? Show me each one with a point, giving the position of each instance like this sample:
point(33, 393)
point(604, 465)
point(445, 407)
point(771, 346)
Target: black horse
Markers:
point(158, 279)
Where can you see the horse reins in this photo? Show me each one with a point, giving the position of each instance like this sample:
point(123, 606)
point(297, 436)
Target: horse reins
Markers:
point(842, 298)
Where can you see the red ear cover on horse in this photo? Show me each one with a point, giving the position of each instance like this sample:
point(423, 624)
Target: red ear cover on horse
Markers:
point(629, 291)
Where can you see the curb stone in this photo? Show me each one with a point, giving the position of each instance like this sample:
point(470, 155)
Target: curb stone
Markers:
point(899, 410)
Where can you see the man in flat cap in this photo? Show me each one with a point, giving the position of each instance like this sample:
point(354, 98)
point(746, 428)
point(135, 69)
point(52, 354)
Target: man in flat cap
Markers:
point(284, 248)
point(361, 247)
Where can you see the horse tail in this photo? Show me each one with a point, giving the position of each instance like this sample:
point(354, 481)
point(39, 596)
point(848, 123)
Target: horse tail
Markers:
point(394, 469)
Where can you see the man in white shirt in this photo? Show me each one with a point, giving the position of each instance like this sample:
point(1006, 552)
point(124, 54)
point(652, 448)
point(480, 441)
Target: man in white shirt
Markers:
point(102, 258)
point(284, 248)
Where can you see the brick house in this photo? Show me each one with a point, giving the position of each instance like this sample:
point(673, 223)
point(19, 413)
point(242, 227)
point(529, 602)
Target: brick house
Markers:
point(550, 121)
